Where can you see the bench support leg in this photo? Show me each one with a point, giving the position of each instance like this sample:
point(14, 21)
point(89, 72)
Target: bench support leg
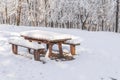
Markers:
point(36, 55)
point(14, 49)
point(72, 49)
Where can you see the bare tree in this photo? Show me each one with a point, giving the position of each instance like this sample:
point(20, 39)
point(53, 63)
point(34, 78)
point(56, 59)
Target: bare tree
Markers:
point(84, 19)
point(19, 7)
point(117, 15)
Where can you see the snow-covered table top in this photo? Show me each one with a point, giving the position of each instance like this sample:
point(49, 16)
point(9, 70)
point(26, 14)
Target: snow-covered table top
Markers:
point(47, 35)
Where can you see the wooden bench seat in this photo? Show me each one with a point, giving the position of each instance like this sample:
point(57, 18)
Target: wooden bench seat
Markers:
point(73, 44)
point(38, 48)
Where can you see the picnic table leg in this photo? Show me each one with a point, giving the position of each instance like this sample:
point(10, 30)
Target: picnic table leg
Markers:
point(47, 46)
point(60, 49)
point(72, 49)
point(50, 49)
point(36, 55)
point(14, 48)
point(29, 50)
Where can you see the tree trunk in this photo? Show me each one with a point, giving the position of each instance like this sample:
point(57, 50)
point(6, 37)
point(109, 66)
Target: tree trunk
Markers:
point(102, 25)
point(45, 14)
point(18, 13)
point(6, 15)
point(117, 16)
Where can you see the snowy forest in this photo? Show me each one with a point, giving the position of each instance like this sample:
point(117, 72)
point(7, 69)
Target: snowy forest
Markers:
point(92, 15)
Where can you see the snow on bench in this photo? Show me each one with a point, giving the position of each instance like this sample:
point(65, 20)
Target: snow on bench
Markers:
point(18, 41)
point(73, 43)
point(26, 43)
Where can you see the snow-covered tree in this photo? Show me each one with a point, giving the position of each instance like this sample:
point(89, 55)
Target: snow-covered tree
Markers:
point(83, 14)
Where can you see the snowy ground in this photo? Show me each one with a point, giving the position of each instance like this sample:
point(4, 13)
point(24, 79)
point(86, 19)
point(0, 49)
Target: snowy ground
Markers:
point(98, 58)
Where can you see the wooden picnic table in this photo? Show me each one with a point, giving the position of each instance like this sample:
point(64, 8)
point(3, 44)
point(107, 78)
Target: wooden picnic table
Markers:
point(49, 38)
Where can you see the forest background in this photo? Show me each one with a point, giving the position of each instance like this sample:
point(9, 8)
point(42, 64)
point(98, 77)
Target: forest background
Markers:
point(92, 15)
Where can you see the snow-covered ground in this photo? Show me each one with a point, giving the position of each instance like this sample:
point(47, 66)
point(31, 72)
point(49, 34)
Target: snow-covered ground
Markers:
point(98, 57)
